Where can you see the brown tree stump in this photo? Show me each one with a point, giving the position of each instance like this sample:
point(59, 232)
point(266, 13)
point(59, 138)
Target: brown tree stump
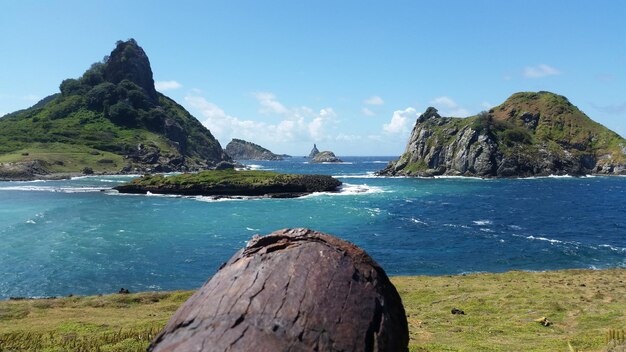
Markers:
point(292, 290)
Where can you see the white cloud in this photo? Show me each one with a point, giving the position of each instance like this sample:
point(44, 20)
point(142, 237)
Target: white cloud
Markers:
point(368, 112)
point(167, 85)
point(486, 105)
point(342, 137)
point(317, 126)
point(374, 100)
point(449, 107)
point(269, 104)
point(445, 102)
point(298, 124)
point(539, 71)
point(400, 120)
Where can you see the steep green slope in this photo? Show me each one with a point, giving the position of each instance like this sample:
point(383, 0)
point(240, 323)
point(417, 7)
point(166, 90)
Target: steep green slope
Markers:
point(529, 134)
point(110, 120)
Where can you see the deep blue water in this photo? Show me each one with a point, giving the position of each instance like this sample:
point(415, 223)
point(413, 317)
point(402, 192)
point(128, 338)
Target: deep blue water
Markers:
point(62, 237)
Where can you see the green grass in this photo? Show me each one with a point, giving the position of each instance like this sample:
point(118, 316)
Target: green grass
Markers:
point(63, 158)
point(501, 309)
point(216, 177)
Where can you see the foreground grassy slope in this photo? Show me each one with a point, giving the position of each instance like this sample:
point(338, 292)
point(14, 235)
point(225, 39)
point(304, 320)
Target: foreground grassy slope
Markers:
point(500, 314)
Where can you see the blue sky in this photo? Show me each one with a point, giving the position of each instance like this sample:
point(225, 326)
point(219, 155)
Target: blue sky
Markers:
point(351, 76)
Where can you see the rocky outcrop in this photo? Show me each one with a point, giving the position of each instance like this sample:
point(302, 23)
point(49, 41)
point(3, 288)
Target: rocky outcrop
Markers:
point(233, 184)
point(314, 151)
point(128, 61)
point(26, 170)
point(531, 134)
point(292, 290)
point(239, 149)
point(326, 157)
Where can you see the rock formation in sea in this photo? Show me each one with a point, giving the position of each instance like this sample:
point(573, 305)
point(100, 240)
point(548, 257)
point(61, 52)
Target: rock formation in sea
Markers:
point(292, 290)
point(110, 120)
point(325, 157)
point(314, 151)
point(229, 183)
point(530, 134)
point(239, 149)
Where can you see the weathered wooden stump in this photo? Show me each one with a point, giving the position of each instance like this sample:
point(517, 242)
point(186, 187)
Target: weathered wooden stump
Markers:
point(292, 290)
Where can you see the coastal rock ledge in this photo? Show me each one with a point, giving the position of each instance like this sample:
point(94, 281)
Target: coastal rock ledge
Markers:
point(232, 184)
point(530, 134)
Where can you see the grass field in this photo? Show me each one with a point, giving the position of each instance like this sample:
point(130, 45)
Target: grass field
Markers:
point(500, 314)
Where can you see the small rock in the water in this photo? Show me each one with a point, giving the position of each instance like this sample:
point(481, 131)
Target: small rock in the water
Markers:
point(124, 291)
point(457, 311)
point(544, 321)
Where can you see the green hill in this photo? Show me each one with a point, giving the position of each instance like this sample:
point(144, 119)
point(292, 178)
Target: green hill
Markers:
point(112, 120)
point(530, 134)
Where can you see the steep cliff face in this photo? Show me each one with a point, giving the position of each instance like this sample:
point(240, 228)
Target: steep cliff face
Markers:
point(530, 134)
point(129, 61)
point(111, 120)
point(239, 149)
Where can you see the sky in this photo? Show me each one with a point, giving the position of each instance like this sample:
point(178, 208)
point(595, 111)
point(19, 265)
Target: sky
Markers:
point(351, 76)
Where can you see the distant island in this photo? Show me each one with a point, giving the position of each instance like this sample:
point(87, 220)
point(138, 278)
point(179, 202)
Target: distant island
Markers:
point(530, 134)
point(232, 184)
point(326, 157)
point(323, 157)
point(239, 149)
point(110, 120)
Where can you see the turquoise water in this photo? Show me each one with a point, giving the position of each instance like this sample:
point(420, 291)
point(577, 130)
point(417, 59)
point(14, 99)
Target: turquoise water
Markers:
point(74, 236)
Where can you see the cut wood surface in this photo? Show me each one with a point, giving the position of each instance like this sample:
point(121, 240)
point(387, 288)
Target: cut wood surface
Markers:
point(292, 290)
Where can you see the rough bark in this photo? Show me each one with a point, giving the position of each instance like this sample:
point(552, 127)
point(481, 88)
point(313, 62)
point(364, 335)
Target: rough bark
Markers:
point(293, 290)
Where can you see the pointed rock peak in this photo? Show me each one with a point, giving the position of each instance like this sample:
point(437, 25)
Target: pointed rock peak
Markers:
point(129, 61)
point(314, 151)
point(430, 112)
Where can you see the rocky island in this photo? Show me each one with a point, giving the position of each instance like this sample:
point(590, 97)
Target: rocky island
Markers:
point(232, 184)
point(110, 120)
point(530, 134)
point(323, 157)
point(239, 149)
point(326, 157)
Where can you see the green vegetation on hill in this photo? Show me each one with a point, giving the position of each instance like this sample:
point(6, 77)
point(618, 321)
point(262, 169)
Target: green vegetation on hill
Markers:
point(551, 119)
point(217, 177)
point(500, 314)
point(112, 109)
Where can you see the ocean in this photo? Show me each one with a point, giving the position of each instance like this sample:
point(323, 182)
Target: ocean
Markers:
point(79, 237)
